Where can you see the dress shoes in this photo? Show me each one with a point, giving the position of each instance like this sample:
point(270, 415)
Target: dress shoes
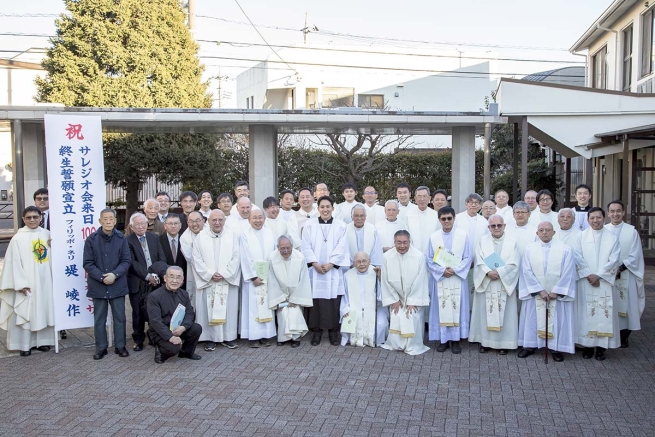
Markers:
point(600, 354)
point(254, 344)
point(62, 335)
point(43, 348)
point(281, 343)
point(138, 347)
point(193, 356)
point(158, 357)
point(334, 338)
point(502, 351)
point(210, 346)
point(265, 342)
point(25, 353)
point(123, 353)
point(316, 338)
point(295, 343)
point(558, 357)
point(443, 347)
point(100, 354)
point(525, 353)
point(456, 348)
point(230, 344)
point(483, 350)
point(587, 353)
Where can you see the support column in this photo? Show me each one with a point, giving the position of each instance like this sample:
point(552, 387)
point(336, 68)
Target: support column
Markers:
point(524, 156)
point(589, 172)
point(463, 166)
point(262, 162)
point(515, 164)
point(567, 184)
point(625, 183)
point(487, 161)
point(19, 178)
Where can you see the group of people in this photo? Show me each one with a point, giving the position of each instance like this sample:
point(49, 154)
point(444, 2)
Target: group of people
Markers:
point(506, 277)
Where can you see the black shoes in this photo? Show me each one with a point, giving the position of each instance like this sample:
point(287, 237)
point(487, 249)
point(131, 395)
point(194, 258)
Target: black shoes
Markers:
point(62, 335)
point(443, 347)
point(25, 353)
point(254, 344)
point(158, 357)
point(587, 353)
point(600, 354)
point(123, 353)
point(229, 344)
point(138, 347)
point(502, 351)
point(316, 338)
point(43, 348)
point(484, 350)
point(265, 342)
point(456, 348)
point(100, 354)
point(334, 338)
point(193, 356)
point(295, 343)
point(524, 353)
point(558, 357)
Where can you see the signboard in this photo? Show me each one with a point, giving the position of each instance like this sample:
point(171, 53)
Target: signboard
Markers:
point(76, 187)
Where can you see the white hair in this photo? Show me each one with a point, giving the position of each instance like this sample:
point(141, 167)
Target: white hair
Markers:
point(137, 215)
point(358, 206)
point(394, 201)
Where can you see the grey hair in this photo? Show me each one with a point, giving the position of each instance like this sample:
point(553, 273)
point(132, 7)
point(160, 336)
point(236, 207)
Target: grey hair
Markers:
point(521, 205)
point(151, 200)
point(138, 214)
point(107, 210)
point(394, 201)
point(422, 187)
point(473, 196)
point(570, 210)
point(358, 206)
point(499, 216)
point(176, 268)
point(281, 238)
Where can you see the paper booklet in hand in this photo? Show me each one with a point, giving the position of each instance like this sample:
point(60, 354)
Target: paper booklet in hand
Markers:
point(445, 258)
point(494, 261)
point(349, 322)
point(261, 268)
point(178, 316)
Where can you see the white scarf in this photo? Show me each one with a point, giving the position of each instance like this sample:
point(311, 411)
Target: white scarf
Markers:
point(365, 320)
point(547, 273)
point(600, 302)
point(369, 238)
point(217, 292)
point(264, 312)
point(449, 290)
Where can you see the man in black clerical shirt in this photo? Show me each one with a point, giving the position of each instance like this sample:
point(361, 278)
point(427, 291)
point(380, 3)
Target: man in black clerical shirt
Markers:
point(162, 304)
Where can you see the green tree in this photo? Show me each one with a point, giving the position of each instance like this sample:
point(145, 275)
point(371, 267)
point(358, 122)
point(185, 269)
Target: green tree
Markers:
point(131, 53)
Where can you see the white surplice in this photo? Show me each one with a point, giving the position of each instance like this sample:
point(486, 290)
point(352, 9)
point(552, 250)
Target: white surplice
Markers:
point(360, 304)
point(343, 211)
point(236, 224)
point(186, 246)
point(288, 281)
point(548, 267)
point(405, 280)
point(217, 253)
point(374, 213)
point(386, 230)
point(404, 209)
point(364, 239)
point(507, 213)
point(421, 224)
point(494, 319)
point(326, 243)
point(523, 235)
point(630, 289)
point(257, 320)
point(568, 236)
point(581, 213)
point(29, 320)
point(475, 227)
point(597, 318)
point(302, 217)
point(537, 217)
point(288, 227)
point(449, 296)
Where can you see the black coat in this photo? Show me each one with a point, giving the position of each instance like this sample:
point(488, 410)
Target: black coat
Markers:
point(180, 260)
point(106, 254)
point(161, 305)
point(136, 276)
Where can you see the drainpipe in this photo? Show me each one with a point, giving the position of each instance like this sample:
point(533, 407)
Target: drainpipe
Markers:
point(616, 53)
point(586, 68)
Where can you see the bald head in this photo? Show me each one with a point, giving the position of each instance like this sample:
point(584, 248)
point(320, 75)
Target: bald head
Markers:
point(362, 262)
point(244, 206)
point(545, 231)
point(216, 220)
point(256, 218)
point(496, 226)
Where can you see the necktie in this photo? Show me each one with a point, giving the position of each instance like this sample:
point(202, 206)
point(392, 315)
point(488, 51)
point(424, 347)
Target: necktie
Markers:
point(143, 241)
point(173, 251)
point(42, 224)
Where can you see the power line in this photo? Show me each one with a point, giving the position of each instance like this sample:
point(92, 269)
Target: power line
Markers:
point(262, 36)
point(38, 35)
point(244, 44)
point(29, 15)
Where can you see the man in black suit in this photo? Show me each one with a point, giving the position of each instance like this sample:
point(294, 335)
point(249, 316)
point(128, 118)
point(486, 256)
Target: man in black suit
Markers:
point(170, 242)
point(41, 201)
point(148, 264)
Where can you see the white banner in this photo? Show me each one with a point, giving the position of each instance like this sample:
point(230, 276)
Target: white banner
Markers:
point(76, 187)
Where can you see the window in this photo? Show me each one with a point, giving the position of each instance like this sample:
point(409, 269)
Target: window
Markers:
point(374, 101)
point(627, 58)
point(334, 97)
point(599, 72)
point(647, 40)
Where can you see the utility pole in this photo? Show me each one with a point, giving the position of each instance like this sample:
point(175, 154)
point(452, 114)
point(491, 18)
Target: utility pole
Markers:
point(191, 8)
point(305, 31)
point(220, 80)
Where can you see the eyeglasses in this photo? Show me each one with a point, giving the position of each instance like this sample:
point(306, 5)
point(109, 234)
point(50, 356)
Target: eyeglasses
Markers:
point(372, 193)
point(473, 202)
point(41, 198)
point(545, 199)
point(196, 221)
point(32, 217)
point(446, 219)
point(496, 226)
point(175, 223)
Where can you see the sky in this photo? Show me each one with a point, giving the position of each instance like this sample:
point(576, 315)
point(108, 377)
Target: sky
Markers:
point(525, 29)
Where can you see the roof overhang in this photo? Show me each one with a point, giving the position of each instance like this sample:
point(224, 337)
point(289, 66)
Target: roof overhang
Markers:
point(613, 12)
point(163, 120)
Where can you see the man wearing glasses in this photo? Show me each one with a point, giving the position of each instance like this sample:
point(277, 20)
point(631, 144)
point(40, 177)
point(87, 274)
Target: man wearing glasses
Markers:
point(470, 221)
point(422, 221)
point(544, 212)
point(42, 202)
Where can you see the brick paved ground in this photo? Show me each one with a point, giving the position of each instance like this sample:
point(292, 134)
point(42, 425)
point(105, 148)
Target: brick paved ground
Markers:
point(329, 391)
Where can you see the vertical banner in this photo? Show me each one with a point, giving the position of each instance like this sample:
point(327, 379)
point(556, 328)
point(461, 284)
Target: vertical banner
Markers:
point(76, 187)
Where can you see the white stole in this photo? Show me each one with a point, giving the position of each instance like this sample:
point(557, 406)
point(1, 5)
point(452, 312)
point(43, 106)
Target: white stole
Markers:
point(449, 290)
point(365, 320)
point(600, 302)
point(264, 312)
point(622, 284)
point(217, 292)
point(496, 294)
point(369, 239)
point(548, 275)
point(402, 323)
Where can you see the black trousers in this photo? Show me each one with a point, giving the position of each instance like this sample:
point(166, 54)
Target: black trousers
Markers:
point(189, 342)
point(139, 316)
point(324, 314)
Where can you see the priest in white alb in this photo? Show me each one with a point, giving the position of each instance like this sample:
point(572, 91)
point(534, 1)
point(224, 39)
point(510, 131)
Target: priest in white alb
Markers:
point(520, 228)
point(629, 284)
point(237, 222)
point(216, 266)
point(392, 223)
point(195, 223)
point(279, 225)
point(547, 281)
point(26, 302)
point(325, 247)
point(374, 212)
point(422, 221)
point(405, 292)
point(544, 212)
point(568, 233)
point(358, 305)
point(494, 319)
point(255, 245)
point(449, 295)
point(597, 255)
point(289, 291)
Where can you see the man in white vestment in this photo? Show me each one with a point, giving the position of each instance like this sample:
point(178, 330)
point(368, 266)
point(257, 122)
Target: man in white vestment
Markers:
point(439, 199)
point(307, 210)
point(629, 283)
point(205, 200)
point(520, 228)
point(422, 221)
point(287, 200)
point(225, 203)
point(343, 210)
point(195, 221)
point(583, 197)
point(470, 221)
point(567, 233)
point(403, 194)
point(237, 222)
point(597, 254)
point(545, 211)
point(278, 225)
point(494, 320)
point(388, 227)
point(325, 247)
point(216, 266)
point(255, 245)
point(289, 291)
point(488, 209)
point(547, 281)
point(241, 190)
point(449, 296)
point(503, 209)
point(405, 291)
point(530, 197)
point(359, 305)
point(26, 302)
point(374, 212)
